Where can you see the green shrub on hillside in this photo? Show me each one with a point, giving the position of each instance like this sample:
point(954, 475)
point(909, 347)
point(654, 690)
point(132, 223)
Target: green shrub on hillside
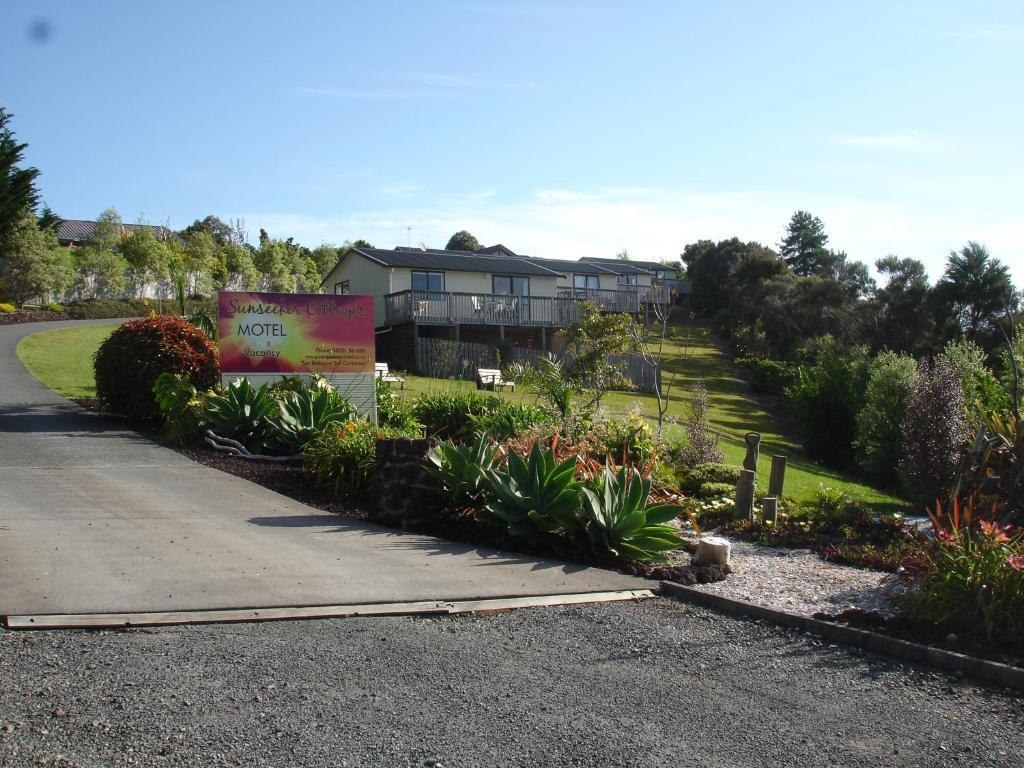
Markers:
point(879, 443)
point(770, 377)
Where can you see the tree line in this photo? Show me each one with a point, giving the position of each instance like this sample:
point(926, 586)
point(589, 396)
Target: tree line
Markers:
point(862, 364)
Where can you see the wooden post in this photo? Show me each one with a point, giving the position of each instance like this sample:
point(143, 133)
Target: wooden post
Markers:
point(744, 505)
point(770, 510)
point(778, 476)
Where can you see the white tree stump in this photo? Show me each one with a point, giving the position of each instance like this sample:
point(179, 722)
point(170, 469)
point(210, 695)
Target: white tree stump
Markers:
point(713, 550)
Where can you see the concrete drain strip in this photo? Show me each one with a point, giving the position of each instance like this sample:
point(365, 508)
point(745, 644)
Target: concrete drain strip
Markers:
point(434, 607)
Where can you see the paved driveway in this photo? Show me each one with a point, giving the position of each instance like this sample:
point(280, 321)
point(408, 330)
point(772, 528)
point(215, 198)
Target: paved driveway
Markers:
point(95, 518)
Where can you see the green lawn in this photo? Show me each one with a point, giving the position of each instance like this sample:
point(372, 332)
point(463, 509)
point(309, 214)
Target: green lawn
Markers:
point(62, 359)
point(693, 355)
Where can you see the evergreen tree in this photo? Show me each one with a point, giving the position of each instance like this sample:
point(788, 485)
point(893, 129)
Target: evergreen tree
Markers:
point(973, 292)
point(803, 247)
point(17, 185)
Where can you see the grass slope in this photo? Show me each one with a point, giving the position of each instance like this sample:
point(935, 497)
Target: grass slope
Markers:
point(692, 354)
point(62, 359)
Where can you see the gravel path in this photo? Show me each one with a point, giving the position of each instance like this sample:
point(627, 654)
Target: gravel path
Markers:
point(656, 683)
point(799, 581)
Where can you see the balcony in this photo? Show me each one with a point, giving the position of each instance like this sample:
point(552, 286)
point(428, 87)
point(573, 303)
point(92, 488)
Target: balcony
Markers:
point(446, 308)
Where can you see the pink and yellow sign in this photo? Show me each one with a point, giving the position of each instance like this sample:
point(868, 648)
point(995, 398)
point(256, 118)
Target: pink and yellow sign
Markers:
point(288, 333)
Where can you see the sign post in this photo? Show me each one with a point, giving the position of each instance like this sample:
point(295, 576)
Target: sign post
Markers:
point(267, 336)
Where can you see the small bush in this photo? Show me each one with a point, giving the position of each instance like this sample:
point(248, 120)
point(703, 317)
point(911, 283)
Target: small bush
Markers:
point(934, 431)
point(971, 580)
point(702, 474)
point(343, 457)
point(129, 362)
point(449, 415)
point(53, 307)
point(831, 509)
point(7, 308)
point(702, 440)
point(394, 412)
point(508, 419)
point(715, 490)
point(626, 440)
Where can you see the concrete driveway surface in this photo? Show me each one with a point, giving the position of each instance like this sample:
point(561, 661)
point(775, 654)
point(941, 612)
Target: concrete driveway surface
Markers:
point(95, 518)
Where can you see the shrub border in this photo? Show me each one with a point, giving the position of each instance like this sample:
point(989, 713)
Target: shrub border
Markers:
point(992, 672)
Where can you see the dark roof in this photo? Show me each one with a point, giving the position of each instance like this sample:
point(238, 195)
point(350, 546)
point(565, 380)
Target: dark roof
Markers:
point(498, 249)
point(577, 267)
point(625, 267)
point(459, 261)
point(79, 230)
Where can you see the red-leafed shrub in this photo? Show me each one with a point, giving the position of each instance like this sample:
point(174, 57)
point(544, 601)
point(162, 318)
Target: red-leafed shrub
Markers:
point(128, 363)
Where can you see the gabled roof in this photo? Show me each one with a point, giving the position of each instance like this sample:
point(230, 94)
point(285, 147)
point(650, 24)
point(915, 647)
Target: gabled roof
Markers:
point(498, 249)
point(82, 231)
point(456, 261)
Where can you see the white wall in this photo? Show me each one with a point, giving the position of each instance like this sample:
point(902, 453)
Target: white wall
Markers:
point(366, 278)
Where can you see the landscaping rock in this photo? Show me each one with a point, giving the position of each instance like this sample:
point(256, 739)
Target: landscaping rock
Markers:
point(712, 550)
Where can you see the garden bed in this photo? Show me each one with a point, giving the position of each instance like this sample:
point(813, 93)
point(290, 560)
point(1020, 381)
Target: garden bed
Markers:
point(799, 581)
point(30, 316)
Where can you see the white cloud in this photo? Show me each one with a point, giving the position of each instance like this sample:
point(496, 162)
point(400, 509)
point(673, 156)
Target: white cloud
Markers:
point(656, 224)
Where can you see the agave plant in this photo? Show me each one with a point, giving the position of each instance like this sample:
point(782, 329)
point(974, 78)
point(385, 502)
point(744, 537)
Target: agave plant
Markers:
point(458, 470)
point(246, 414)
point(534, 499)
point(622, 525)
point(305, 413)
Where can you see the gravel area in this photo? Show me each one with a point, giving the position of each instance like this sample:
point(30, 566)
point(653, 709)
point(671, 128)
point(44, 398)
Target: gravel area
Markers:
point(799, 581)
point(656, 683)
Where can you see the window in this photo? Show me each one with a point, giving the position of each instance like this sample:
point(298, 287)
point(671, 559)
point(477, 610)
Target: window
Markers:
point(627, 279)
point(509, 285)
point(428, 281)
point(344, 288)
point(586, 281)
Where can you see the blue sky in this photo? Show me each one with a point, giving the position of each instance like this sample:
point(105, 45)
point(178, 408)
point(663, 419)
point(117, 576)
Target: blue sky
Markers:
point(559, 129)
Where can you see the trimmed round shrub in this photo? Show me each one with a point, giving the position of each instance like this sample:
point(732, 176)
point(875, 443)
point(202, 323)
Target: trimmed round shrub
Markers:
point(715, 490)
point(128, 363)
point(702, 474)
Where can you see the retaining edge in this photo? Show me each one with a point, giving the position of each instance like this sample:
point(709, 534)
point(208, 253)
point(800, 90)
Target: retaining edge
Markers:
point(235, 615)
point(993, 672)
